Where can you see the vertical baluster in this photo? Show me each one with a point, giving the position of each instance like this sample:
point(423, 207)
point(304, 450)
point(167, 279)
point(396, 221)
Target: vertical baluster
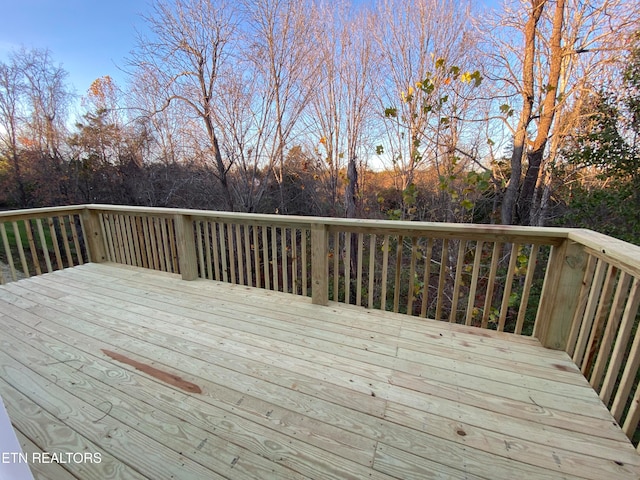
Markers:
point(441, 279)
point(106, 235)
point(458, 280)
point(223, 252)
point(347, 268)
point(336, 266)
point(359, 270)
point(274, 258)
point(531, 268)
point(507, 286)
point(303, 250)
point(213, 248)
point(140, 243)
point(199, 242)
point(426, 278)
point(285, 259)
point(23, 258)
point(154, 233)
point(471, 302)
point(587, 322)
point(601, 314)
point(385, 272)
point(7, 249)
point(396, 283)
point(173, 243)
point(146, 241)
point(265, 256)
point(73, 226)
point(247, 255)
point(238, 250)
point(32, 247)
point(294, 260)
point(412, 273)
point(122, 222)
point(165, 245)
point(256, 256)
point(43, 242)
point(581, 306)
point(493, 269)
point(372, 266)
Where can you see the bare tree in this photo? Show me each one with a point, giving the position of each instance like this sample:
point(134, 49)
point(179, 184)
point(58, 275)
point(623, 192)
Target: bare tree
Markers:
point(343, 103)
point(565, 44)
point(33, 108)
point(48, 99)
point(11, 116)
point(282, 36)
point(413, 38)
point(191, 43)
point(248, 132)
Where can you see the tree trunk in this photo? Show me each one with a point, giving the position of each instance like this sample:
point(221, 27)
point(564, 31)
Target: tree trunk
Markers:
point(547, 114)
point(351, 192)
point(520, 139)
point(222, 174)
point(525, 200)
point(221, 168)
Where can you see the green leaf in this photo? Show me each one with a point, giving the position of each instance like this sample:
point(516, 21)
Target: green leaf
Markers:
point(466, 203)
point(391, 112)
point(477, 78)
point(379, 150)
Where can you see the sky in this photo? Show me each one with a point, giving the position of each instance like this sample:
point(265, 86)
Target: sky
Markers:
point(89, 38)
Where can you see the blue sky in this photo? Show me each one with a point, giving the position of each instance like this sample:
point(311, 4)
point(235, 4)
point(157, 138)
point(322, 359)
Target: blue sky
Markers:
point(90, 38)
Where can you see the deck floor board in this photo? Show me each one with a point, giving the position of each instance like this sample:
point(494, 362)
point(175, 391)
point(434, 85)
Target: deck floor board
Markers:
point(286, 389)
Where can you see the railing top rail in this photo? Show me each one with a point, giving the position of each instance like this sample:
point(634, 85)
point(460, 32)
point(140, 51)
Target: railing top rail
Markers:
point(457, 230)
point(11, 215)
point(622, 254)
point(612, 249)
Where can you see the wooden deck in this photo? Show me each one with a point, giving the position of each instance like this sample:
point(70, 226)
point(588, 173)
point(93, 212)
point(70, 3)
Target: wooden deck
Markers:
point(173, 379)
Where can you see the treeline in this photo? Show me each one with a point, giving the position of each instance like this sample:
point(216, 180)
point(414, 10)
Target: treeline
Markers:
point(421, 110)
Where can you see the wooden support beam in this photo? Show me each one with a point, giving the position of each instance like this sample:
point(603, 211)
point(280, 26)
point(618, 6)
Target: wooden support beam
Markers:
point(319, 264)
point(185, 238)
point(95, 242)
point(560, 294)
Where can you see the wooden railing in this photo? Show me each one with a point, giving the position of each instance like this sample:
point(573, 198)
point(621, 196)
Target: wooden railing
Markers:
point(574, 290)
point(41, 240)
point(604, 339)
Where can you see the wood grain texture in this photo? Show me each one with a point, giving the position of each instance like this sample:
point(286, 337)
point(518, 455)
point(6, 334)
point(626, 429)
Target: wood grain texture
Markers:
point(288, 389)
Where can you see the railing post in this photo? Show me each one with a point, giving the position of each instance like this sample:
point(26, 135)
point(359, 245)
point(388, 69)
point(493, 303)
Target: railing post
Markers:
point(186, 242)
point(95, 242)
point(319, 264)
point(560, 292)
